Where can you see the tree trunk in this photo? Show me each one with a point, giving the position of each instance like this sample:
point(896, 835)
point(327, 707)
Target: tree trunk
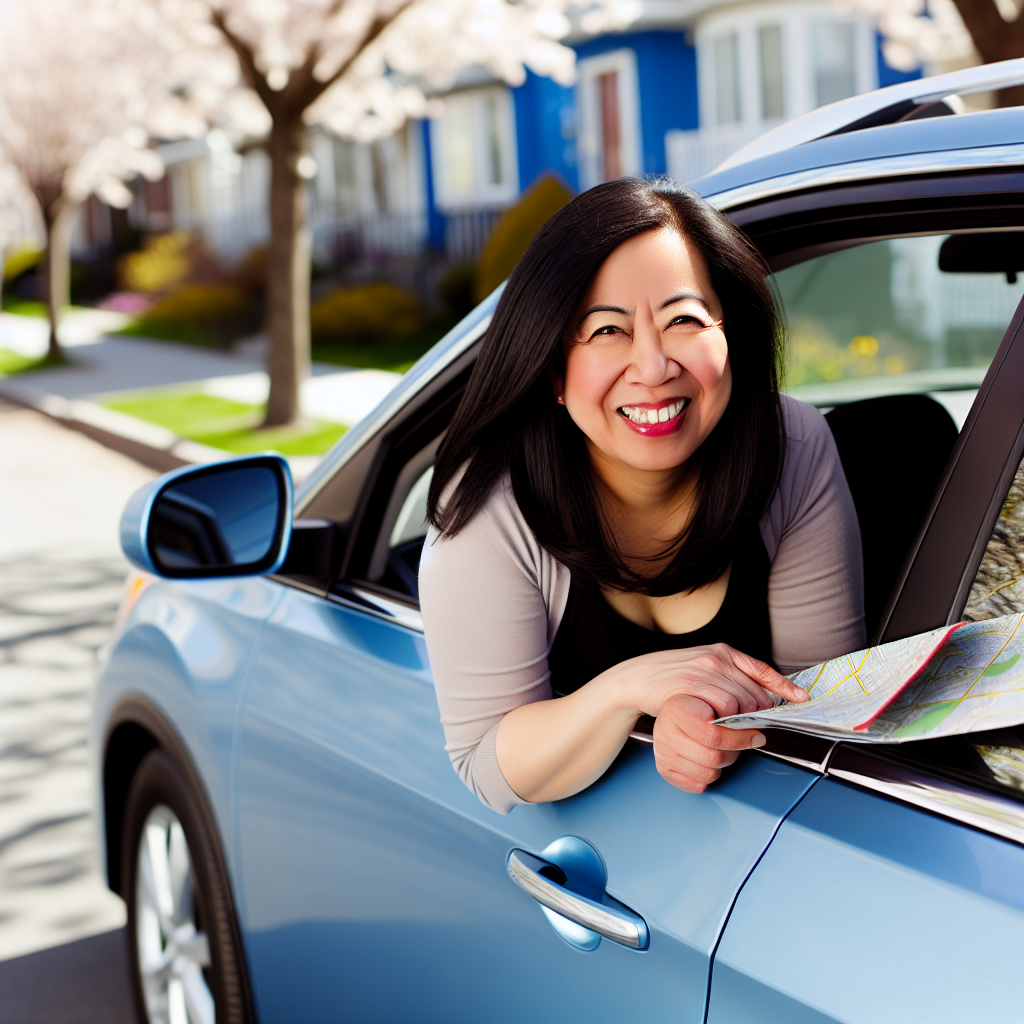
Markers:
point(287, 275)
point(995, 39)
point(58, 223)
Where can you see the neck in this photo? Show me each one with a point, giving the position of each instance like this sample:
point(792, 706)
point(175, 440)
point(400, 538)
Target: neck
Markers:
point(642, 493)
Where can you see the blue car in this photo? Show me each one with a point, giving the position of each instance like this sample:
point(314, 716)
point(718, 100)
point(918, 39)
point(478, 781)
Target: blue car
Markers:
point(276, 804)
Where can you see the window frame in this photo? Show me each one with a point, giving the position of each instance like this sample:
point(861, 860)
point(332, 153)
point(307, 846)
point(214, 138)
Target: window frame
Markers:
point(589, 140)
point(483, 193)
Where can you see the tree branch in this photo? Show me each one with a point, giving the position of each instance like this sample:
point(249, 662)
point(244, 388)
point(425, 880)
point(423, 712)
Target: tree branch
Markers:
point(994, 39)
point(377, 26)
point(254, 78)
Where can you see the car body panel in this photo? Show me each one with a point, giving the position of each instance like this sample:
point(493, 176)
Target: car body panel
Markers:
point(867, 910)
point(186, 648)
point(361, 847)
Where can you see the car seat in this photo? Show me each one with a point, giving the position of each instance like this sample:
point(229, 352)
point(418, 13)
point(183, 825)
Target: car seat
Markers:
point(893, 450)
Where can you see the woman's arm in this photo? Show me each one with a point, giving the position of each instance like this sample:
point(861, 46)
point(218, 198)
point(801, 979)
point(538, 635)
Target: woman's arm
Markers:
point(816, 584)
point(551, 749)
point(487, 598)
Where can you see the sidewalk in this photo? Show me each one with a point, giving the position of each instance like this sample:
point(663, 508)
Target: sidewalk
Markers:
point(104, 365)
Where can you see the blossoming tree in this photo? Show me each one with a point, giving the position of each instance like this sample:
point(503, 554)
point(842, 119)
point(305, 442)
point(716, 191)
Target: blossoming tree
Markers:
point(79, 82)
point(922, 31)
point(359, 68)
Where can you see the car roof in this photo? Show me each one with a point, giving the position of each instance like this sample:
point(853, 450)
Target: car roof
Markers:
point(981, 130)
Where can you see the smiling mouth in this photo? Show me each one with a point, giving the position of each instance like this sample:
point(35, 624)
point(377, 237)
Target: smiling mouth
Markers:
point(647, 416)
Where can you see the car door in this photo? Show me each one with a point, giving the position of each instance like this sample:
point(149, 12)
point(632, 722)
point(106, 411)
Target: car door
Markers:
point(894, 891)
point(377, 888)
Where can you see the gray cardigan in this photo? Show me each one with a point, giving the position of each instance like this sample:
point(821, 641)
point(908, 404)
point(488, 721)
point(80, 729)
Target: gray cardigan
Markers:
point(492, 598)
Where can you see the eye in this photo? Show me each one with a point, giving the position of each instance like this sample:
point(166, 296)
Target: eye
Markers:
point(687, 320)
point(607, 330)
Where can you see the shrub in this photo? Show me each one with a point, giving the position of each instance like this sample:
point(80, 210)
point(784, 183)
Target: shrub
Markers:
point(365, 313)
point(21, 260)
point(213, 306)
point(163, 262)
point(456, 288)
point(515, 231)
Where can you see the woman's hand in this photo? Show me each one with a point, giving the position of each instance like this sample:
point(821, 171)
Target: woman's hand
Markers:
point(687, 690)
point(551, 749)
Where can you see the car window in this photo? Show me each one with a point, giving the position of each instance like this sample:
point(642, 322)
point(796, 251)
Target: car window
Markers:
point(998, 588)
point(885, 318)
point(406, 541)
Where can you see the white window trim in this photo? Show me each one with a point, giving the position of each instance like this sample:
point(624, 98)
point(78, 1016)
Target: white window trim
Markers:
point(796, 20)
point(484, 194)
point(623, 63)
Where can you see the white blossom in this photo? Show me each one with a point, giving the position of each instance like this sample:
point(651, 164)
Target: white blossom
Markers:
point(916, 32)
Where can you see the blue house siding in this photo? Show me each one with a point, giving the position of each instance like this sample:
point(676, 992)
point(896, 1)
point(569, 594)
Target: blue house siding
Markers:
point(888, 75)
point(435, 218)
point(545, 115)
point(667, 80)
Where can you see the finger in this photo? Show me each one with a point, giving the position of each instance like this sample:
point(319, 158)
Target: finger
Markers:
point(732, 665)
point(729, 691)
point(686, 774)
point(767, 677)
point(694, 719)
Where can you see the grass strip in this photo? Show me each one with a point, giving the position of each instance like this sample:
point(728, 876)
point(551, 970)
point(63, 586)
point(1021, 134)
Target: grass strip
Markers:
point(12, 362)
point(225, 424)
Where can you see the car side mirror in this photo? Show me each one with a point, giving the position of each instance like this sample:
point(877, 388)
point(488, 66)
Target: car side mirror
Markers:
point(200, 522)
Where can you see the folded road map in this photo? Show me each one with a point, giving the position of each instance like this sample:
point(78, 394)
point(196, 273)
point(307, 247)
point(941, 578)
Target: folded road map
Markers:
point(958, 679)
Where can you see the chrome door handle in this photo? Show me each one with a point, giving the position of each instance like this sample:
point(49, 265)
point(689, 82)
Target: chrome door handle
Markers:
point(609, 918)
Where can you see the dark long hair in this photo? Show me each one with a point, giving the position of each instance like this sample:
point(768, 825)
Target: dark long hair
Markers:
point(508, 420)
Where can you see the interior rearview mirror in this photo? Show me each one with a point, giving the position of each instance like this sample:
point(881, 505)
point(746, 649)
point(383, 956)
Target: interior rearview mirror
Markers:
point(228, 519)
point(984, 252)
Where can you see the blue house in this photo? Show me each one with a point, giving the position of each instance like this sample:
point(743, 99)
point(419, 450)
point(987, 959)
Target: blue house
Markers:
point(687, 84)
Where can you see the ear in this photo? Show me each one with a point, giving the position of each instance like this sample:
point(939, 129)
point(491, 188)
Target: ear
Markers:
point(557, 387)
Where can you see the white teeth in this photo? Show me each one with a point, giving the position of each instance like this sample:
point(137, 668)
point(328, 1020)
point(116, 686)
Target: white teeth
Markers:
point(644, 416)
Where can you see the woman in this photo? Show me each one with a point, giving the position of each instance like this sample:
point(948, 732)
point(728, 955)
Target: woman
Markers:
point(625, 513)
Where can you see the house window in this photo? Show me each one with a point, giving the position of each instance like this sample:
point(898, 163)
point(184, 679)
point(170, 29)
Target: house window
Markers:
point(727, 79)
point(474, 152)
point(769, 45)
point(608, 114)
point(835, 61)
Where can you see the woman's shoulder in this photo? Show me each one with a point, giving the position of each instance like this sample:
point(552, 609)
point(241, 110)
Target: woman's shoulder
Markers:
point(809, 466)
point(804, 424)
point(498, 532)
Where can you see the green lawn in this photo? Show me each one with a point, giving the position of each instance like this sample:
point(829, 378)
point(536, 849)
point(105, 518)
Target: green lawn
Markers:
point(14, 362)
point(168, 330)
point(23, 307)
point(395, 354)
point(28, 307)
point(222, 423)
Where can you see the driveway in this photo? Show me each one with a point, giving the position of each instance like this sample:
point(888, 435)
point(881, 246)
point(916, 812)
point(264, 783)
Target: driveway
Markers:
point(61, 931)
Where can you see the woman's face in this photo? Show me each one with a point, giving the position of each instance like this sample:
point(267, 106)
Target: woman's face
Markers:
point(647, 373)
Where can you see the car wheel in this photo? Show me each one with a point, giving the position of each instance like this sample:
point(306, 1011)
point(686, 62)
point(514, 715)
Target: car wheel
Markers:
point(185, 951)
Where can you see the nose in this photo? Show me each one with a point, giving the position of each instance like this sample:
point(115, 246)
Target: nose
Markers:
point(650, 364)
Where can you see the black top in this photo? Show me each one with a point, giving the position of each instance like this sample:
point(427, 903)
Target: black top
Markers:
point(592, 636)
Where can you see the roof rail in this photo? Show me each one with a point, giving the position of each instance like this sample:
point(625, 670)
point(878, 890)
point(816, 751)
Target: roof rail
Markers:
point(882, 106)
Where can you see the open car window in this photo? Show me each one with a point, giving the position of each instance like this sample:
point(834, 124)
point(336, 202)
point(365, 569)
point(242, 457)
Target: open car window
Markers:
point(898, 316)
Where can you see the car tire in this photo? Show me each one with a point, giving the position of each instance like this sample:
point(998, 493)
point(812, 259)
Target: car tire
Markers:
point(186, 955)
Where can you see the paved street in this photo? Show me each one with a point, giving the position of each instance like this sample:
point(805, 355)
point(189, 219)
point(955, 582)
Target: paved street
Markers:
point(61, 571)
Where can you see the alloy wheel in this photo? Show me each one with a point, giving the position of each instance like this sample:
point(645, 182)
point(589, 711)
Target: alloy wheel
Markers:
point(173, 951)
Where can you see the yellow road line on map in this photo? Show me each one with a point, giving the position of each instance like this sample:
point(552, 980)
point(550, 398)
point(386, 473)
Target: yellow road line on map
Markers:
point(853, 675)
point(992, 662)
point(817, 677)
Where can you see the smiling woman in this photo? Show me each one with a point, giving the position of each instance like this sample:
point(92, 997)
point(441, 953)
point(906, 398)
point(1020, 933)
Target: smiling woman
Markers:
point(626, 516)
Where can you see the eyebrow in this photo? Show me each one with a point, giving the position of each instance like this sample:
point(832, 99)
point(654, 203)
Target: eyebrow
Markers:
point(600, 309)
point(684, 295)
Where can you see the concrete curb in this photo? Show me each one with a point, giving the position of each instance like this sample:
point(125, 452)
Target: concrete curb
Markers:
point(153, 446)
